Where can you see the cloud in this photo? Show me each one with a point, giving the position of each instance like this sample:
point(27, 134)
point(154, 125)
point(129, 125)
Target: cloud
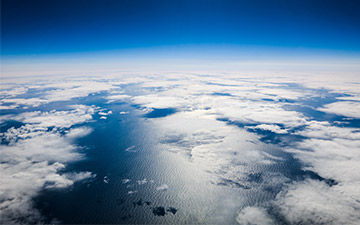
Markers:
point(333, 153)
point(105, 113)
point(314, 202)
point(344, 108)
point(41, 148)
point(31, 164)
point(115, 98)
point(125, 181)
point(59, 119)
point(53, 91)
point(141, 182)
point(163, 187)
point(269, 127)
point(328, 150)
point(76, 89)
point(130, 149)
point(35, 157)
point(8, 90)
point(33, 102)
point(254, 216)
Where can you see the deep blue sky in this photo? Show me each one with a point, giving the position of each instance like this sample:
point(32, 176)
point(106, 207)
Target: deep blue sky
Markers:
point(31, 27)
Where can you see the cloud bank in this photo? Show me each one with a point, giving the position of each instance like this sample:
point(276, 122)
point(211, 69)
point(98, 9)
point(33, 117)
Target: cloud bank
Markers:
point(234, 126)
point(33, 158)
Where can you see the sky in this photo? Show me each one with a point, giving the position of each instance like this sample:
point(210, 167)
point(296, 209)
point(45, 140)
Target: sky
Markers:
point(58, 28)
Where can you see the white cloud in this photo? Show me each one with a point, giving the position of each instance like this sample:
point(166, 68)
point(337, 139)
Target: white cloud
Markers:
point(141, 182)
point(314, 202)
point(78, 132)
point(344, 108)
point(333, 153)
point(125, 181)
point(4, 107)
point(324, 130)
point(24, 101)
point(33, 158)
point(11, 90)
point(105, 113)
point(163, 187)
point(269, 127)
point(115, 98)
point(130, 149)
point(254, 216)
point(76, 89)
point(60, 119)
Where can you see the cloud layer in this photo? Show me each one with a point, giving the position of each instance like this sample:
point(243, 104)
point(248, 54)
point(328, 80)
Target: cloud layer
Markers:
point(239, 128)
point(34, 156)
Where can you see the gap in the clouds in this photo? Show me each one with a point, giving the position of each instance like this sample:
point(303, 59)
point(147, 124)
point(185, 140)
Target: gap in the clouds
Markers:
point(160, 112)
point(221, 94)
point(6, 125)
point(220, 84)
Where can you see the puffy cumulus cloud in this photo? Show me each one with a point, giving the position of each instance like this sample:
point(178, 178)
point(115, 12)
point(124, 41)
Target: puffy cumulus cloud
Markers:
point(234, 98)
point(344, 108)
point(254, 216)
point(32, 163)
point(78, 132)
point(5, 107)
point(15, 102)
point(333, 153)
point(258, 112)
point(34, 158)
point(324, 130)
point(59, 119)
point(159, 101)
point(269, 127)
point(75, 89)
point(52, 90)
point(314, 202)
point(215, 147)
point(11, 90)
point(117, 98)
point(105, 113)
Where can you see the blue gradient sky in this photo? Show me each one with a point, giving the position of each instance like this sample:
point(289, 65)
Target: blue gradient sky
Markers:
point(54, 27)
